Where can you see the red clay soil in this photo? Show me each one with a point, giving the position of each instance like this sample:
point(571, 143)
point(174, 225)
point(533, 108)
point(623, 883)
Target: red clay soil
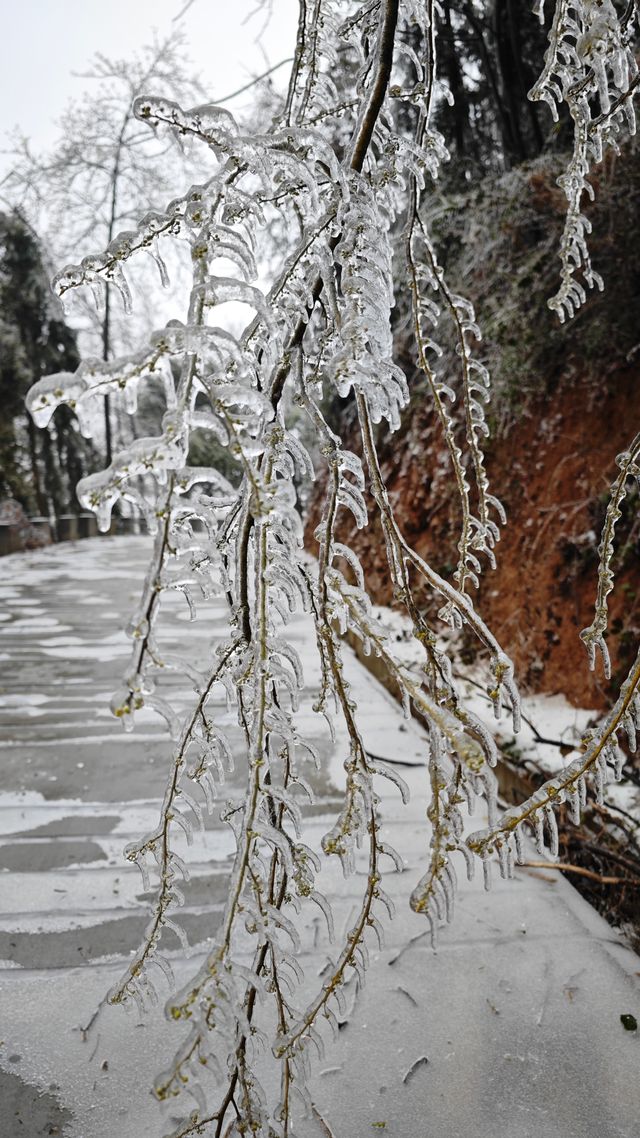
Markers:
point(552, 472)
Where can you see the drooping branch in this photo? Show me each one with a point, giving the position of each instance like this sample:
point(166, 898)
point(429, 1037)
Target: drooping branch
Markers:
point(297, 227)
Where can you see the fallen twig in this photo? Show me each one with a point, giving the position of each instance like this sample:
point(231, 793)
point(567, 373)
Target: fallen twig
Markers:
point(405, 947)
point(414, 1067)
point(392, 762)
point(324, 1124)
point(583, 873)
point(608, 807)
point(602, 851)
point(84, 1031)
point(404, 991)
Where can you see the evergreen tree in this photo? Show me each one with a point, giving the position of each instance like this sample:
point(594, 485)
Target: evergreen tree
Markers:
point(39, 470)
point(489, 55)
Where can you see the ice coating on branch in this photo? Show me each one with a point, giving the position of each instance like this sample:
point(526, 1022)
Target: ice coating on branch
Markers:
point(600, 759)
point(589, 65)
point(102, 269)
point(228, 243)
point(53, 390)
point(228, 395)
point(80, 390)
point(593, 636)
point(479, 530)
point(222, 290)
point(295, 224)
point(158, 456)
point(364, 361)
point(214, 125)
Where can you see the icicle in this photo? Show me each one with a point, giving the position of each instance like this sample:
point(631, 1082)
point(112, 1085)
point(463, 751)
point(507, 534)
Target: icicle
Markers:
point(582, 792)
point(142, 866)
point(538, 825)
point(131, 397)
point(552, 830)
point(391, 775)
point(184, 823)
point(164, 709)
point(150, 991)
point(573, 799)
point(599, 778)
point(510, 859)
point(501, 850)
point(176, 862)
point(193, 806)
point(162, 268)
point(385, 848)
point(136, 994)
point(207, 784)
point(448, 884)
point(179, 932)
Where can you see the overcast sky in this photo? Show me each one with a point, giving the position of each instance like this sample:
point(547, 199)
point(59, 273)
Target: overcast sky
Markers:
point(45, 41)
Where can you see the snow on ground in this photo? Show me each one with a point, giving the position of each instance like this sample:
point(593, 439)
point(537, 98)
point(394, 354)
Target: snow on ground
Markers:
point(513, 1028)
point(548, 721)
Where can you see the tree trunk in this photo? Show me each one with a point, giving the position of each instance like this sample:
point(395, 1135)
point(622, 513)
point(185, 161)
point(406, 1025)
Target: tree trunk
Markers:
point(454, 75)
point(106, 348)
point(43, 507)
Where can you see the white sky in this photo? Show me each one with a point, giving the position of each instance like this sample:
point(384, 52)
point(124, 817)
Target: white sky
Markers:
point(45, 41)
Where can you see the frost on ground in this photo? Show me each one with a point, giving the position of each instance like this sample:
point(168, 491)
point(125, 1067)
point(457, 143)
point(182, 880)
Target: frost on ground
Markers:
point(551, 730)
point(513, 1027)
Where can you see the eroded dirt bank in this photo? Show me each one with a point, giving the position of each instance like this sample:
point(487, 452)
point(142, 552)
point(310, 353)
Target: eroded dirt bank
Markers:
point(552, 470)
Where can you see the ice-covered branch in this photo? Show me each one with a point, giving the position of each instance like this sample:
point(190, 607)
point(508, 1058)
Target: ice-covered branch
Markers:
point(590, 66)
point(295, 233)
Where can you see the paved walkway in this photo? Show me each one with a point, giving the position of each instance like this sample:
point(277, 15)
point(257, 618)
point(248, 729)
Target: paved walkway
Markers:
point(512, 1029)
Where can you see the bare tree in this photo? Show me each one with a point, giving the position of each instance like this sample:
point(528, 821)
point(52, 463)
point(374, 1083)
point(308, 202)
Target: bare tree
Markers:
point(104, 170)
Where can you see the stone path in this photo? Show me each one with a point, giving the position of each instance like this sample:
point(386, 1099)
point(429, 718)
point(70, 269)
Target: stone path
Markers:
point(512, 1029)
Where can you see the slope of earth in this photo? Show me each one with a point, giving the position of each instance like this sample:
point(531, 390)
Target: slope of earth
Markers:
point(552, 471)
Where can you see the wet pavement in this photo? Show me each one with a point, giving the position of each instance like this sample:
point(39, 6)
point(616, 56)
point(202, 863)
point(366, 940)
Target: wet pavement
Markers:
point(513, 1028)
